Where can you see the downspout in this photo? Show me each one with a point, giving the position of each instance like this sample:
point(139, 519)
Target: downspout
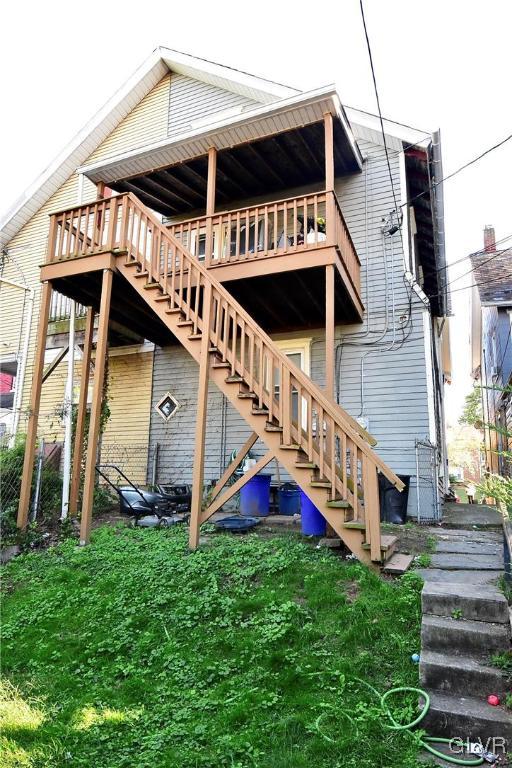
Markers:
point(68, 404)
point(20, 375)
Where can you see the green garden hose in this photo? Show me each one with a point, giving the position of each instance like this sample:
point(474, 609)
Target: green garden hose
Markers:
point(426, 741)
point(394, 725)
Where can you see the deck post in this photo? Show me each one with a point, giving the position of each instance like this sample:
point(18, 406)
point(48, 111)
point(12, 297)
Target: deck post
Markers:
point(210, 203)
point(81, 413)
point(330, 227)
point(329, 331)
point(35, 399)
point(202, 403)
point(95, 418)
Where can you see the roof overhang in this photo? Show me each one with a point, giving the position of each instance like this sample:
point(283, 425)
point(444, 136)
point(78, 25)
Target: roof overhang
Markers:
point(116, 109)
point(287, 114)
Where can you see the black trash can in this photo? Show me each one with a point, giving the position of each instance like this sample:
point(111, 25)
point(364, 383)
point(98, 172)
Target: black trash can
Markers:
point(393, 503)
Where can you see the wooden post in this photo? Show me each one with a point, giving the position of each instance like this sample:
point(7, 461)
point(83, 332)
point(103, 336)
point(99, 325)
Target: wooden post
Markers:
point(329, 331)
point(81, 413)
point(97, 395)
point(330, 225)
point(202, 403)
point(210, 203)
point(35, 399)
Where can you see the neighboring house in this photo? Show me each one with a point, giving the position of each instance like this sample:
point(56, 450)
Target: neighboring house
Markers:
point(491, 346)
point(285, 198)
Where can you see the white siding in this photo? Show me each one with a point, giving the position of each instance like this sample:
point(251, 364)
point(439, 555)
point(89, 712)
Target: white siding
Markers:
point(192, 101)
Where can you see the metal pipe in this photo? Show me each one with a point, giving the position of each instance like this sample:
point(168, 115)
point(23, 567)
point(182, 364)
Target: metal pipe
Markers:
point(417, 481)
point(20, 374)
point(39, 476)
point(68, 403)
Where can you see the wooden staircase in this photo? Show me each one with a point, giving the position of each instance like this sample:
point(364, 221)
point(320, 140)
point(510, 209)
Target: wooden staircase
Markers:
point(314, 439)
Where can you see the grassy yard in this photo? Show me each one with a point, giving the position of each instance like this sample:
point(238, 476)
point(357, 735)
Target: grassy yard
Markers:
point(134, 653)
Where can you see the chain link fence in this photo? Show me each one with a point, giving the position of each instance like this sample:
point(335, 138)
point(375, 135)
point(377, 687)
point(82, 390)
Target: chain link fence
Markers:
point(135, 461)
point(428, 506)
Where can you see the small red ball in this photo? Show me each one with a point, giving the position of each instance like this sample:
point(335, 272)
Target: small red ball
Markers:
point(493, 700)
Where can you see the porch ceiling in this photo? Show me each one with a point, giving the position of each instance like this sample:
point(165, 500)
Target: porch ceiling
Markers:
point(293, 158)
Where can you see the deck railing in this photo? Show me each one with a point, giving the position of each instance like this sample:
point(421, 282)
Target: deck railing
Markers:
point(277, 228)
point(283, 227)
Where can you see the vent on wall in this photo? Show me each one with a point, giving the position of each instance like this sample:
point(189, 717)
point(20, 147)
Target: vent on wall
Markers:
point(167, 406)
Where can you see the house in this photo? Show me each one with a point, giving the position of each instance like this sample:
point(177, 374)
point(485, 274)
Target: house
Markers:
point(305, 242)
point(491, 346)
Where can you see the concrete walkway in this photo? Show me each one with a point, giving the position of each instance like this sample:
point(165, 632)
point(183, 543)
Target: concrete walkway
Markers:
point(469, 546)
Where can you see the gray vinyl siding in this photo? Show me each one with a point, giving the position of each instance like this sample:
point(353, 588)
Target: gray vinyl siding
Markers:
point(395, 381)
point(191, 100)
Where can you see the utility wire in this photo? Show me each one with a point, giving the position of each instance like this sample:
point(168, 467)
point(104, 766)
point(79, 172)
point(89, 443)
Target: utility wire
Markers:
point(474, 253)
point(378, 105)
point(477, 266)
point(475, 285)
point(458, 170)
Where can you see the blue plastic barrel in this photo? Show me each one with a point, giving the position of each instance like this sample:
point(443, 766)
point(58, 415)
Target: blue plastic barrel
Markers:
point(312, 521)
point(289, 499)
point(255, 496)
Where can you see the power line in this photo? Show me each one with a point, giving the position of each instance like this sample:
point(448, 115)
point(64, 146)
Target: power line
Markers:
point(477, 266)
point(378, 104)
point(458, 170)
point(475, 253)
point(475, 285)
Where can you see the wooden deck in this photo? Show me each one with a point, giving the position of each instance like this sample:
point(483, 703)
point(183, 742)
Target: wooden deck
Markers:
point(278, 251)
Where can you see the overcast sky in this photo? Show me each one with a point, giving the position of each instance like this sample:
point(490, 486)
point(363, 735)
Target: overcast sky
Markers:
point(439, 64)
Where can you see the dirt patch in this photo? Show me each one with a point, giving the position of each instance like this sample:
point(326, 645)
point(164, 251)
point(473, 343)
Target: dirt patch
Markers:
point(412, 539)
point(352, 590)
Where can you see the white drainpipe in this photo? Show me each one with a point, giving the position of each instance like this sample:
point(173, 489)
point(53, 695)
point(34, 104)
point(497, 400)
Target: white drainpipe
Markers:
point(68, 404)
point(20, 373)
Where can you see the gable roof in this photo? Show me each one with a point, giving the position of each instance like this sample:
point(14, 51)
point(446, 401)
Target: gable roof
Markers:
point(117, 108)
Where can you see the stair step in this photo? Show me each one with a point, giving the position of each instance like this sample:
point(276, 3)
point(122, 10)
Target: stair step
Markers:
point(466, 717)
point(172, 311)
point(339, 504)
point(320, 483)
point(386, 543)
point(306, 465)
point(235, 379)
point(397, 564)
point(476, 603)
point(152, 286)
point(164, 297)
point(195, 336)
point(459, 675)
point(221, 364)
point(247, 396)
point(356, 524)
point(471, 638)
point(139, 275)
point(184, 323)
point(270, 427)
point(292, 447)
point(213, 350)
point(131, 264)
point(259, 411)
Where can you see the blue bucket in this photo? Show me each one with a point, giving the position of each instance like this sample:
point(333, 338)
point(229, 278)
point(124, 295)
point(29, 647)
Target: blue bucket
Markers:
point(312, 521)
point(255, 496)
point(289, 499)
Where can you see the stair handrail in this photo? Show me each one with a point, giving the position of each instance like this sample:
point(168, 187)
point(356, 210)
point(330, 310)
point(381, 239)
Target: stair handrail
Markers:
point(336, 412)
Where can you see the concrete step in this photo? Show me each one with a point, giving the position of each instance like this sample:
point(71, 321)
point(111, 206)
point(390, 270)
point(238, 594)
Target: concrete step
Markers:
point(397, 564)
point(462, 545)
point(466, 717)
point(453, 561)
point(461, 577)
point(476, 603)
point(460, 675)
point(471, 638)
